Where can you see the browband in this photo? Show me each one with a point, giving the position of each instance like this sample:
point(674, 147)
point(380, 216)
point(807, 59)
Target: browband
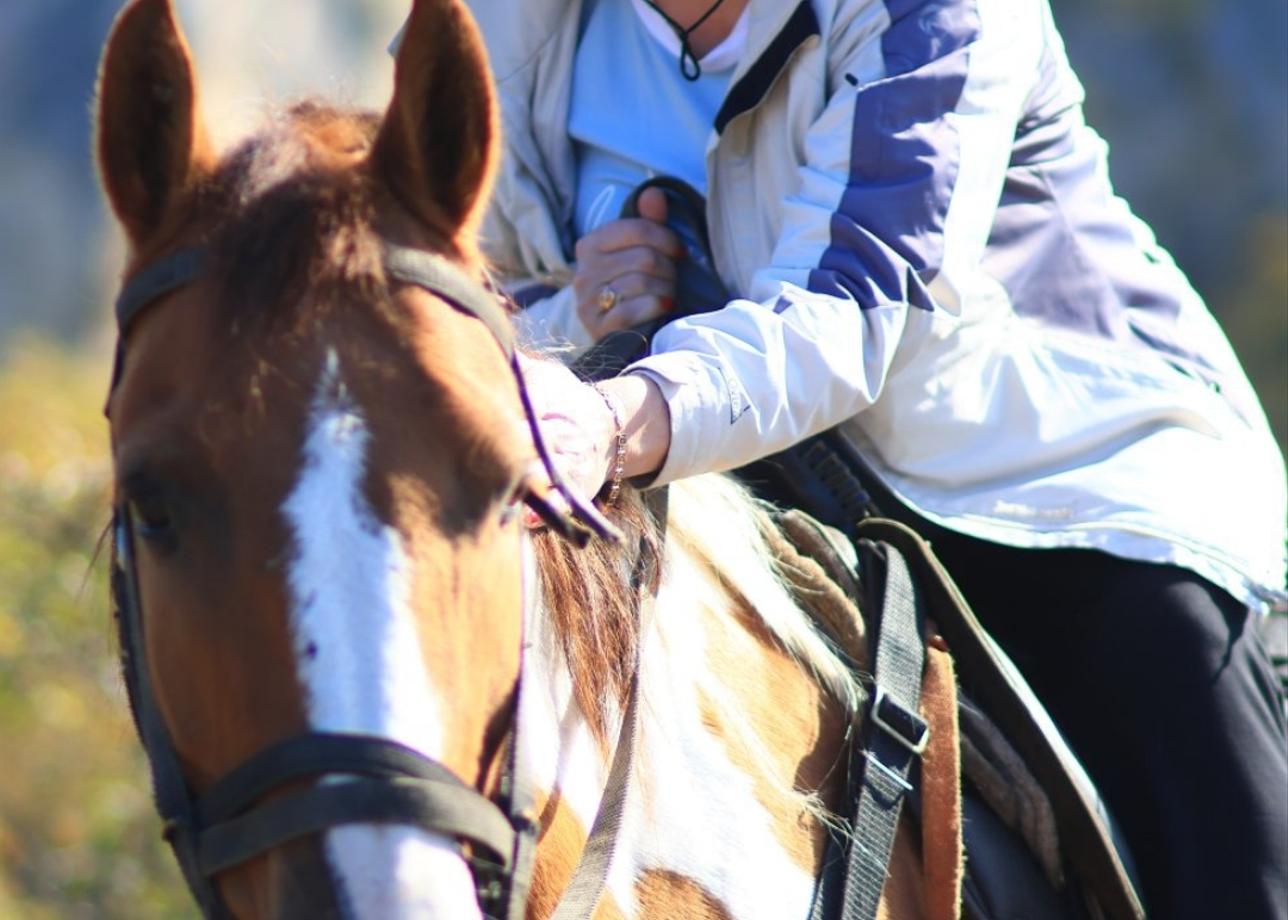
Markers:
point(438, 275)
point(167, 274)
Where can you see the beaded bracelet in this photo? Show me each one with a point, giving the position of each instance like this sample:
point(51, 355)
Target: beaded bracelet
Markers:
point(619, 459)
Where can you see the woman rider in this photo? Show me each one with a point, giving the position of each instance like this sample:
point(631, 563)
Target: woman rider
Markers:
point(923, 244)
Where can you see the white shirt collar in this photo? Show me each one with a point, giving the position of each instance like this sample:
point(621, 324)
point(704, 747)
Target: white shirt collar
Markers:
point(723, 56)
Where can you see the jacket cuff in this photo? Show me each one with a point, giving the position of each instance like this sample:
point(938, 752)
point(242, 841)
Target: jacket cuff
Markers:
point(697, 394)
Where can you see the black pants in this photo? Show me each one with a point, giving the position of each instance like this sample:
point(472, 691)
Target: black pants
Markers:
point(1162, 685)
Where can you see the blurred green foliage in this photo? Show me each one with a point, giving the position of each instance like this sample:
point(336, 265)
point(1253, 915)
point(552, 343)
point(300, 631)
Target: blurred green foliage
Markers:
point(1255, 316)
point(78, 836)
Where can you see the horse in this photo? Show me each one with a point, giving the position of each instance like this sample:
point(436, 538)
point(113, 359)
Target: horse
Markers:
point(319, 459)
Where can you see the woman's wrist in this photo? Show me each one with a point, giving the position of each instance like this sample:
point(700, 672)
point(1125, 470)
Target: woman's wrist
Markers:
point(646, 422)
point(617, 461)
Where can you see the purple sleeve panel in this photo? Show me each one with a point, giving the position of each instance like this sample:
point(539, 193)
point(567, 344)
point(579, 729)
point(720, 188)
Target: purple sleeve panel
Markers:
point(887, 234)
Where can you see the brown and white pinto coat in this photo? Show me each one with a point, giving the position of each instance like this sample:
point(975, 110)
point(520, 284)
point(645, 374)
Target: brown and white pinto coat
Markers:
point(321, 466)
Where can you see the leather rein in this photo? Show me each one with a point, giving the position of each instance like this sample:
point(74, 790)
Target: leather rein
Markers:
point(386, 782)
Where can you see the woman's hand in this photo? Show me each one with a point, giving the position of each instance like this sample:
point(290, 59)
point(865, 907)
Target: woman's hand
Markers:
point(576, 424)
point(581, 432)
point(626, 269)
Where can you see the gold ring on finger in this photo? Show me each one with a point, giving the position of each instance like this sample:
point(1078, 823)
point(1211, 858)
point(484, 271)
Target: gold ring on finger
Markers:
point(607, 298)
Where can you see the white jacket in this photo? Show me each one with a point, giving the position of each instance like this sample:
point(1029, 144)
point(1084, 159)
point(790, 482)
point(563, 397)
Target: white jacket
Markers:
point(927, 247)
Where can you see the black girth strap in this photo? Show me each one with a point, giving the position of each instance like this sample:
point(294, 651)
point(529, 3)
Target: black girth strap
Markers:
point(896, 736)
point(891, 740)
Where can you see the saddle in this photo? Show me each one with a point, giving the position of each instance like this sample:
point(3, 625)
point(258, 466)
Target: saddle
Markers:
point(1038, 839)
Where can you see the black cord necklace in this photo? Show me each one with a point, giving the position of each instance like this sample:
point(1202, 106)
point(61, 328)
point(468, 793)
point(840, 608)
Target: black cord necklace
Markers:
point(689, 65)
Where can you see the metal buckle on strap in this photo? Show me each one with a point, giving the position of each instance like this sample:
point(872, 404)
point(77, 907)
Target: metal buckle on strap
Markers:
point(908, 728)
point(891, 775)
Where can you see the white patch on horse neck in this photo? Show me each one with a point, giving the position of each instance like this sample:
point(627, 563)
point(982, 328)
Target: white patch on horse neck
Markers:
point(358, 658)
point(695, 812)
point(691, 810)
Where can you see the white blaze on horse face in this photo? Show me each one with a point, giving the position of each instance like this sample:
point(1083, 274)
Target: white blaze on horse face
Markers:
point(359, 661)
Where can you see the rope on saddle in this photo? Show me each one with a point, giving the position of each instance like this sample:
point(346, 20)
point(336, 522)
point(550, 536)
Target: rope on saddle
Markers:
point(815, 567)
point(1005, 782)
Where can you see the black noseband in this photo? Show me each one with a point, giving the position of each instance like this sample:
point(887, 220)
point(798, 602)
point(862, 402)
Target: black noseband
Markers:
point(389, 783)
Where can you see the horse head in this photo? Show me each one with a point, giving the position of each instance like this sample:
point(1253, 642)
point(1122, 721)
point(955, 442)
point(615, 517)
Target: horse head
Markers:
point(315, 461)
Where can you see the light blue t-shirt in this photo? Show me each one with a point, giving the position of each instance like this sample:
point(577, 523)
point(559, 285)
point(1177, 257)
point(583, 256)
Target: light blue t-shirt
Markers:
point(633, 115)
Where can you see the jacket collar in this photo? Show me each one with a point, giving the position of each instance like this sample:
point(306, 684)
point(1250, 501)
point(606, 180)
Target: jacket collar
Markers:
point(777, 30)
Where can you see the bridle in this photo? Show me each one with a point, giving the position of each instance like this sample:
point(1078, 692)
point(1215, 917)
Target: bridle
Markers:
point(386, 782)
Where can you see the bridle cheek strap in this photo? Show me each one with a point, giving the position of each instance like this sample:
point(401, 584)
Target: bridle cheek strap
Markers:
point(569, 515)
point(169, 789)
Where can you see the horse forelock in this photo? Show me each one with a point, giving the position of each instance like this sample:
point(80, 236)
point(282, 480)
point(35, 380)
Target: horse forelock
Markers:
point(294, 223)
point(293, 207)
point(298, 208)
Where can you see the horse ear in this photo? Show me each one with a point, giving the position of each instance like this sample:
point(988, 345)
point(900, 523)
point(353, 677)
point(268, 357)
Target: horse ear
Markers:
point(152, 144)
point(437, 146)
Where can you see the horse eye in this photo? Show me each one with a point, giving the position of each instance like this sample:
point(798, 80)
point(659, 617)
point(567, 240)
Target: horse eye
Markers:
point(152, 520)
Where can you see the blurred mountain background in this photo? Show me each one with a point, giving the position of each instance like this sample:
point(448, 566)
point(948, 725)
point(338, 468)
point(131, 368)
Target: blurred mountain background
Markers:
point(1191, 94)
point(57, 250)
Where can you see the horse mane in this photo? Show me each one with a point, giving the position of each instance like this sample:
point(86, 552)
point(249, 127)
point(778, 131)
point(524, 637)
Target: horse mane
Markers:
point(595, 606)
